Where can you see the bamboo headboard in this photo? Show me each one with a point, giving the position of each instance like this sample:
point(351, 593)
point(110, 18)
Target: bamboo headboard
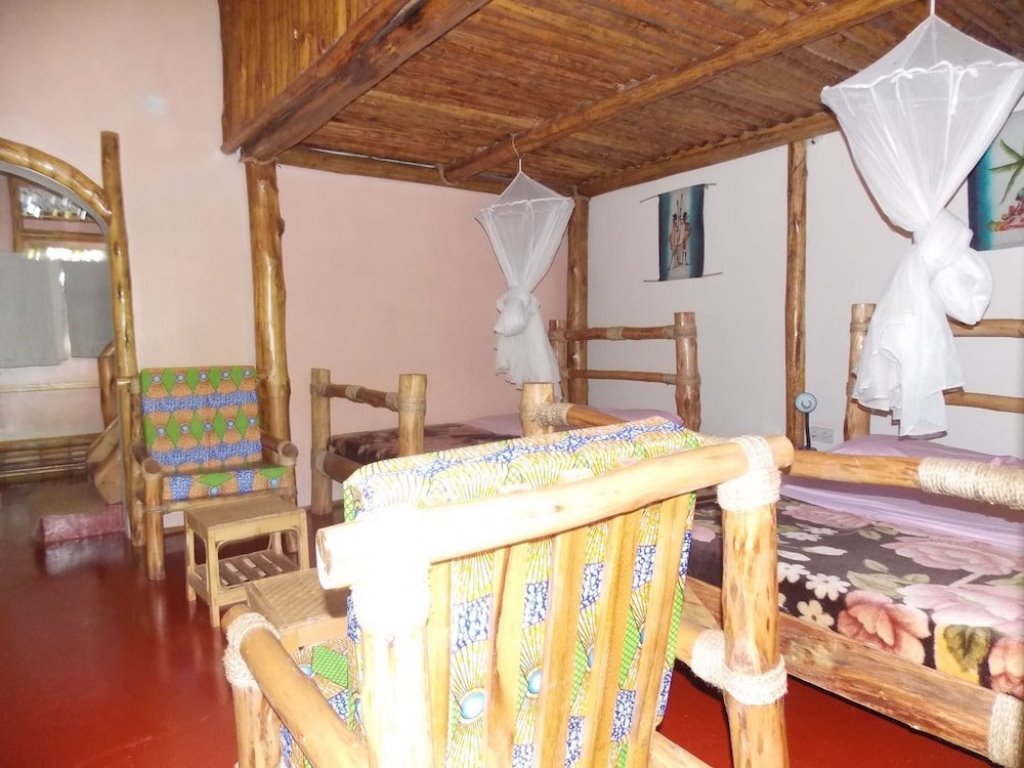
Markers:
point(686, 378)
point(858, 418)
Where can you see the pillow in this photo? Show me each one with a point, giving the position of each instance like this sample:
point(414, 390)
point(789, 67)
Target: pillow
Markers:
point(911, 508)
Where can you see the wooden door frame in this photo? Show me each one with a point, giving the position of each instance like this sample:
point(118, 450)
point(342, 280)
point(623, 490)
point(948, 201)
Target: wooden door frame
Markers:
point(106, 204)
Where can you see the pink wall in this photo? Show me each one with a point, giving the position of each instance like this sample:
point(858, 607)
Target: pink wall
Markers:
point(151, 71)
point(387, 278)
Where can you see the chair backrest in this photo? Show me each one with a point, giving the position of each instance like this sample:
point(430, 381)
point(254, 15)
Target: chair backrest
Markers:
point(556, 651)
point(201, 418)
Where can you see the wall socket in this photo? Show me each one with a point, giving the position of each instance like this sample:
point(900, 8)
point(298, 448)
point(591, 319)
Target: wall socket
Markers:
point(822, 436)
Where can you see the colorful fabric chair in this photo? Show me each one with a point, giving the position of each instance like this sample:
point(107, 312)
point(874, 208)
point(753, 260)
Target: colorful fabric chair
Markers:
point(547, 650)
point(201, 443)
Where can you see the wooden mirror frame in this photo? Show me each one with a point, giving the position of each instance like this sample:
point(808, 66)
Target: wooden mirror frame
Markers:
point(106, 204)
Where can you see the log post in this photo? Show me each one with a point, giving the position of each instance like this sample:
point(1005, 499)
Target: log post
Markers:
point(556, 335)
point(750, 621)
point(576, 299)
point(858, 419)
point(121, 298)
point(265, 229)
point(412, 412)
point(687, 370)
point(320, 405)
point(796, 289)
point(535, 394)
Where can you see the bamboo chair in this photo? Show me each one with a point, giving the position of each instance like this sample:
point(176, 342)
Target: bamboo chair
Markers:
point(601, 645)
point(409, 401)
point(200, 444)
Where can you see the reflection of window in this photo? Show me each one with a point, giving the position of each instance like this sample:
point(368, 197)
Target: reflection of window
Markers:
point(39, 203)
point(59, 253)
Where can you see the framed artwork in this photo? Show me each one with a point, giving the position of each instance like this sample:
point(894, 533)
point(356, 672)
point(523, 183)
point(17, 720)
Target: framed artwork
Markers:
point(995, 190)
point(681, 233)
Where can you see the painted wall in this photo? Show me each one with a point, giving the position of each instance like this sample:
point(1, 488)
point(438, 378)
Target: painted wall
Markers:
point(851, 252)
point(387, 278)
point(382, 277)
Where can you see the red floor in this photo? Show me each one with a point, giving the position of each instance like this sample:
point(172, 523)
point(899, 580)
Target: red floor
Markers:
point(103, 669)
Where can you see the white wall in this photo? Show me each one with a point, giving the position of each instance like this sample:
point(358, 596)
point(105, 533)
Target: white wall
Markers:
point(851, 252)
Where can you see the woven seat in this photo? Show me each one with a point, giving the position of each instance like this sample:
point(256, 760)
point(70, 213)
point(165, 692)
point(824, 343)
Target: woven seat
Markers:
point(202, 444)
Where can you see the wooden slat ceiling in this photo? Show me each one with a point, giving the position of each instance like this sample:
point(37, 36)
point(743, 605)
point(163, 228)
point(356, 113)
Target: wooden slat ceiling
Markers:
point(519, 68)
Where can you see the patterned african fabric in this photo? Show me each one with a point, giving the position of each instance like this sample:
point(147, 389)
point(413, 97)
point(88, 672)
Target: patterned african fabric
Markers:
point(487, 470)
point(202, 425)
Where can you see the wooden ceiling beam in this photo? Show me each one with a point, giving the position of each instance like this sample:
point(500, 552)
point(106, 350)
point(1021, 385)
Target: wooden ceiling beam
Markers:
point(802, 30)
point(699, 157)
point(387, 35)
point(303, 157)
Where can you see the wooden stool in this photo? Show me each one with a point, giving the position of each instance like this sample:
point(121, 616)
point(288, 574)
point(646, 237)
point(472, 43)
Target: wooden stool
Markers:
point(302, 611)
point(221, 582)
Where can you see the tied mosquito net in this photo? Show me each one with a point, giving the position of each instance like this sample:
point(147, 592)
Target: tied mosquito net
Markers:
point(525, 225)
point(917, 121)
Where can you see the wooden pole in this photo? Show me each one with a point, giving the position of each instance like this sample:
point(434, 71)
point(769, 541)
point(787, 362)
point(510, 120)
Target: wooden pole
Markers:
point(320, 405)
point(107, 373)
point(265, 229)
point(535, 394)
point(556, 335)
point(796, 289)
point(750, 619)
point(123, 315)
point(412, 412)
point(858, 418)
point(687, 370)
point(576, 299)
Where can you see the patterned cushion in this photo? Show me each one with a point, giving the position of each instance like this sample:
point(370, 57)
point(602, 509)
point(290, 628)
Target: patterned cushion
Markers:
point(478, 472)
point(226, 482)
point(201, 418)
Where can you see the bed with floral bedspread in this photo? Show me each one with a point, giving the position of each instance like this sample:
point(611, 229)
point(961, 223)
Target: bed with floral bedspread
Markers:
point(955, 604)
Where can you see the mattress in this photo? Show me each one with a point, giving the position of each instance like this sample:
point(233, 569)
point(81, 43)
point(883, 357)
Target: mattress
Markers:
point(950, 602)
point(378, 445)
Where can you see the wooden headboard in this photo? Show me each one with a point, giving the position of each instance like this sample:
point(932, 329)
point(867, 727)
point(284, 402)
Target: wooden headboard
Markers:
point(686, 378)
point(858, 418)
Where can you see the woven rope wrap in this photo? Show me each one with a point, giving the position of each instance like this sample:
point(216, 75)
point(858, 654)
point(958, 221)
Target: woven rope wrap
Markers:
point(352, 392)
point(1006, 731)
point(614, 333)
point(972, 480)
point(391, 401)
point(392, 594)
point(759, 486)
point(709, 665)
point(235, 669)
point(547, 414)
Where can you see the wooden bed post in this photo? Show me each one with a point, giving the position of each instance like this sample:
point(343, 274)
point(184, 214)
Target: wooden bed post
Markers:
point(556, 335)
point(858, 418)
point(320, 486)
point(535, 394)
point(265, 228)
point(576, 304)
point(687, 370)
point(123, 316)
point(412, 412)
point(796, 288)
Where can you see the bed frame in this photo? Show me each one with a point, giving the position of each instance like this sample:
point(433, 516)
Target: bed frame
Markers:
point(409, 400)
point(921, 697)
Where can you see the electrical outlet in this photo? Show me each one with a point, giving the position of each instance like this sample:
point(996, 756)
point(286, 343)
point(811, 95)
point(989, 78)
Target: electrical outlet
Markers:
point(822, 436)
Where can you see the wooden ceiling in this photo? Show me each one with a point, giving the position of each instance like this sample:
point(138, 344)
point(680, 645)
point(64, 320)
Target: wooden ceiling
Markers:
point(599, 94)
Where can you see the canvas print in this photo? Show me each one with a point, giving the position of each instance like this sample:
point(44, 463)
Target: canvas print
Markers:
point(681, 233)
point(995, 190)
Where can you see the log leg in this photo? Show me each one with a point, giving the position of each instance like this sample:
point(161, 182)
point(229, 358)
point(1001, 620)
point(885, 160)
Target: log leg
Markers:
point(155, 544)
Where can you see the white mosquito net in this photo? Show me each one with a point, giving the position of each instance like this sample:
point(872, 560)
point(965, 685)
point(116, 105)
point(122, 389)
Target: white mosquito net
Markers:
point(525, 225)
point(917, 121)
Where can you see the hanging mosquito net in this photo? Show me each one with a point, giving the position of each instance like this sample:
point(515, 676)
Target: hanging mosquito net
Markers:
point(917, 121)
point(525, 225)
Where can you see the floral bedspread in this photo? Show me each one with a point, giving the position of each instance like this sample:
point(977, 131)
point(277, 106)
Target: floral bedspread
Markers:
point(956, 605)
point(381, 444)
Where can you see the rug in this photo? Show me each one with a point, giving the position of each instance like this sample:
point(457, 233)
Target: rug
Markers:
point(80, 525)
